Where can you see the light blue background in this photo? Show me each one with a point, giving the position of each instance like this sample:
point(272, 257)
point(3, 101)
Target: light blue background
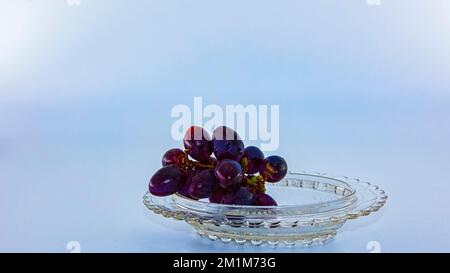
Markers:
point(86, 93)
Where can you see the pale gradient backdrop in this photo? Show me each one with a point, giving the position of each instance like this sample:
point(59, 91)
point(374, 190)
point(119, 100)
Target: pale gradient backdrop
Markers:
point(86, 93)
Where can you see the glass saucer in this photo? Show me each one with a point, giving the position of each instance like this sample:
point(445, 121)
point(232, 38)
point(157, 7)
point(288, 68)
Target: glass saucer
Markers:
point(311, 208)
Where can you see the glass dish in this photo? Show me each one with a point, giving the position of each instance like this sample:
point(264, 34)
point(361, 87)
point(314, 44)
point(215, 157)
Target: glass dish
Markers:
point(312, 207)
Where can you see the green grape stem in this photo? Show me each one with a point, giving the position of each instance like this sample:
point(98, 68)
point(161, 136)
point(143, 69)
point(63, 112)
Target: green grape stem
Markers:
point(244, 163)
point(189, 164)
point(255, 183)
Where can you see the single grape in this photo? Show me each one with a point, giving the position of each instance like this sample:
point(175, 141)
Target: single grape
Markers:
point(217, 195)
point(242, 197)
point(233, 188)
point(203, 184)
point(274, 168)
point(199, 143)
point(167, 180)
point(173, 156)
point(185, 189)
point(227, 144)
point(262, 199)
point(229, 173)
point(252, 159)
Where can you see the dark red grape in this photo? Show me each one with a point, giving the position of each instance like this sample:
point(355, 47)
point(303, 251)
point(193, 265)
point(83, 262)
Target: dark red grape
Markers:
point(173, 156)
point(274, 168)
point(167, 181)
point(185, 189)
point(229, 173)
point(217, 195)
point(227, 144)
point(203, 184)
point(242, 197)
point(252, 159)
point(199, 143)
point(262, 199)
point(233, 188)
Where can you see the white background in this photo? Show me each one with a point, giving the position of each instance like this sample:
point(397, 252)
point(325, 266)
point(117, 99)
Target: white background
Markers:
point(86, 93)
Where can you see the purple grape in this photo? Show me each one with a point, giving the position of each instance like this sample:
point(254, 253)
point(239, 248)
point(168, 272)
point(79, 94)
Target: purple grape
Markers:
point(274, 168)
point(173, 156)
point(242, 197)
point(185, 189)
point(203, 184)
point(217, 195)
point(167, 181)
point(262, 199)
point(199, 143)
point(227, 144)
point(252, 159)
point(233, 188)
point(229, 173)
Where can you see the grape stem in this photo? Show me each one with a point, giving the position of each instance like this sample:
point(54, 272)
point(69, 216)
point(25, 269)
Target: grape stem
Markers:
point(198, 164)
point(191, 163)
point(255, 183)
point(244, 164)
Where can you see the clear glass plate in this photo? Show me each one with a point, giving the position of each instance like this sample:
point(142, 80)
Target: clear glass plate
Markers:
point(312, 207)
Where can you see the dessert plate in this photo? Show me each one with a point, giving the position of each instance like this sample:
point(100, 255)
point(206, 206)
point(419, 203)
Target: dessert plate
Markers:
point(312, 207)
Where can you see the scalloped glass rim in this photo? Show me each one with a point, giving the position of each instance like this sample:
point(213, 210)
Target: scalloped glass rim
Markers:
point(351, 203)
point(314, 223)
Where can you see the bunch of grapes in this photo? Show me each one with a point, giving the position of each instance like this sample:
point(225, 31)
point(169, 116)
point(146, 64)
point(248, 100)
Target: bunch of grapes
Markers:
point(235, 175)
